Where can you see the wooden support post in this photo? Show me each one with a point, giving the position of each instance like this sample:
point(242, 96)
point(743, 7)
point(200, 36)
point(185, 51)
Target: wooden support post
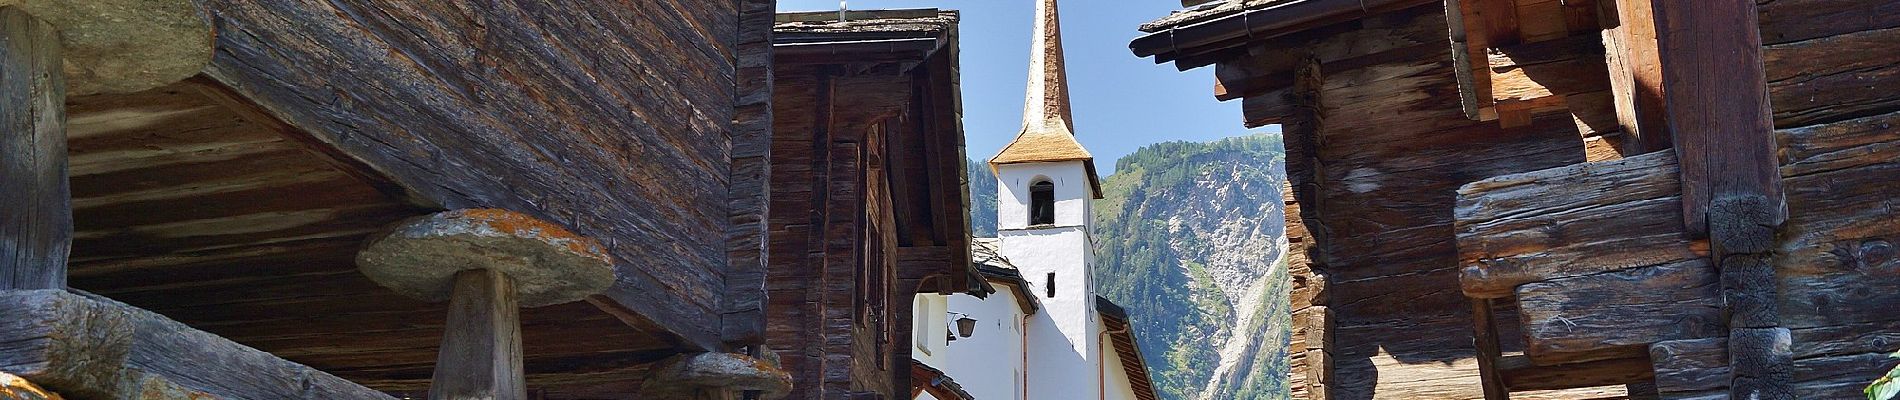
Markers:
point(1719, 117)
point(1484, 337)
point(481, 344)
point(36, 218)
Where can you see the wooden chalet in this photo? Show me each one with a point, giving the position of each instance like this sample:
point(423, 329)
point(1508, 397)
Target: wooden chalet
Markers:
point(296, 199)
point(1680, 199)
point(867, 153)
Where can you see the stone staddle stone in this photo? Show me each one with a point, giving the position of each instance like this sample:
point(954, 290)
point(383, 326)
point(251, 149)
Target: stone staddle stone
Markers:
point(683, 376)
point(124, 46)
point(420, 256)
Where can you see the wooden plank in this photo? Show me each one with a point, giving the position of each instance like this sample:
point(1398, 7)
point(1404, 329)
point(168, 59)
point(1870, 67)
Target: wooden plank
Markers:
point(36, 223)
point(1619, 314)
point(481, 344)
point(1531, 72)
point(1552, 51)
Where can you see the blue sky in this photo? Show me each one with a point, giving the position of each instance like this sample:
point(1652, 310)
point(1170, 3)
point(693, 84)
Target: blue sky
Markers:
point(1121, 102)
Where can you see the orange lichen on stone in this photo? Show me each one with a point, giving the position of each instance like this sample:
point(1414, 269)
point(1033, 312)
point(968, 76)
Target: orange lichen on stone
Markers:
point(16, 388)
point(420, 257)
point(527, 226)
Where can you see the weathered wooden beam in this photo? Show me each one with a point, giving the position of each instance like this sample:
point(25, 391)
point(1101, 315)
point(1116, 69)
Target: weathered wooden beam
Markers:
point(1484, 337)
point(36, 220)
point(88, 347)
point(1723, 128)
point(1571, 221)
point(1721, 122)
point(749, 185)
point(1618, 314)
point(1691, 368)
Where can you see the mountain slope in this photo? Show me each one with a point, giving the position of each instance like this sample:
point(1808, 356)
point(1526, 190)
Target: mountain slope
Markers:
point(1188, 239)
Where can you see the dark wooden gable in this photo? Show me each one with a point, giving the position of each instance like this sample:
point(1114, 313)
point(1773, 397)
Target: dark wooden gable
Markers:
point(869, 196)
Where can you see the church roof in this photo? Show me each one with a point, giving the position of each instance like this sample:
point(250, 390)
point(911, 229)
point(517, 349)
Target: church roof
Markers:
point(923, 377)
point(1122, 338)
point(1048, 133)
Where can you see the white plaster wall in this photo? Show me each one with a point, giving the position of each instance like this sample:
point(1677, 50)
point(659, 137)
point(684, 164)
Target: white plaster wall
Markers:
point(1113, 376)
point(1072, 195)
point(1062, 337)
point(989, 362)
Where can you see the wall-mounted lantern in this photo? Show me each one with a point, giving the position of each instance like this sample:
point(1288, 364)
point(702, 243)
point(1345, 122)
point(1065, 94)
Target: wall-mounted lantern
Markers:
point(966, 326)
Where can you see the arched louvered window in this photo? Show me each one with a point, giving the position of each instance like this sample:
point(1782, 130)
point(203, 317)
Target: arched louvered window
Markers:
point(1042, 203)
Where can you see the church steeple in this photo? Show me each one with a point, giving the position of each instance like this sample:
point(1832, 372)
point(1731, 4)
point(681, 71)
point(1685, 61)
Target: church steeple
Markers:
point(1046, 107)
point(1048, 133)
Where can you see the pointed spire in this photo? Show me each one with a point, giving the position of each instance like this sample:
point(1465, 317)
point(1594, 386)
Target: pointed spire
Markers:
point(1047, 107)
point(1048, 133)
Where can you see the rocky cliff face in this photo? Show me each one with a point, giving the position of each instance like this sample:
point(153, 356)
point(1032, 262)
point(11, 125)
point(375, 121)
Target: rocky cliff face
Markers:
point(1188, 239)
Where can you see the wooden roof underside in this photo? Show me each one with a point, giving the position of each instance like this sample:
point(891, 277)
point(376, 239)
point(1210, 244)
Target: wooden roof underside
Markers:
point(191, 203)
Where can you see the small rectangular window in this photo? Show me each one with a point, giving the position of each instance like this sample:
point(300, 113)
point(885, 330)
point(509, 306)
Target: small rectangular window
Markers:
point(1051, 283)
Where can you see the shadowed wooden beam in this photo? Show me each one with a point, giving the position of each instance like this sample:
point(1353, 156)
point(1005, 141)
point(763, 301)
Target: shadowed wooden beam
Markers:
point(87, 347)
point(36, 220)
point(1520, 374)
point(1484, 337)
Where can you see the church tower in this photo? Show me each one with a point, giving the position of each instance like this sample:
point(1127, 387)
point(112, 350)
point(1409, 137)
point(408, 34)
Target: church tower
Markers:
point(1045, 181)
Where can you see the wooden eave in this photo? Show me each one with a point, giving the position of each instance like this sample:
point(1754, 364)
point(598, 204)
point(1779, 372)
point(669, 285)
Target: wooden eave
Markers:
point(879, 36)
point(196, 203)
point(927, 379)
point(1186, 42)
point(1122, 337)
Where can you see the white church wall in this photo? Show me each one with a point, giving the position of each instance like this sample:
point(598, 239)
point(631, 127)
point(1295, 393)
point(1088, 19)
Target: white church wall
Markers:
point(929, 322)
point(990, 363)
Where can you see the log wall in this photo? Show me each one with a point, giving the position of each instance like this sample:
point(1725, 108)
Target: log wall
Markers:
point(1375, 175)
point(832, 279)
point(1611, 226)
